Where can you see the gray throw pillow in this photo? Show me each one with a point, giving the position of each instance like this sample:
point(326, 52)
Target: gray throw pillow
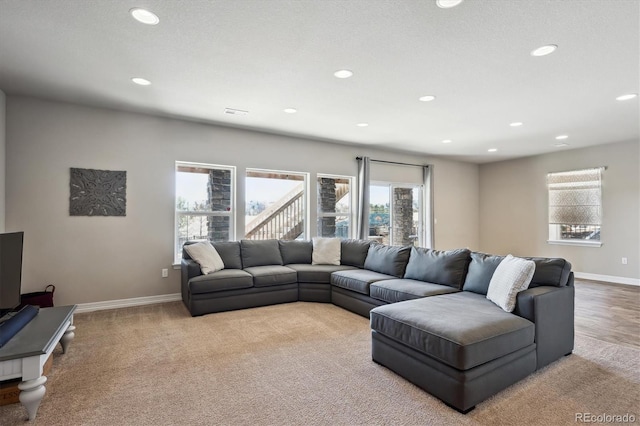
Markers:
point(390, 260)
point(480, 271)
point(295, 251)
point(438, 267)
point(260, 253)
point(550, 271)
point(354, 252)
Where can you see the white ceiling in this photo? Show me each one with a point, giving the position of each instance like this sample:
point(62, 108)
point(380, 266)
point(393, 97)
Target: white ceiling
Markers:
point(267, 55)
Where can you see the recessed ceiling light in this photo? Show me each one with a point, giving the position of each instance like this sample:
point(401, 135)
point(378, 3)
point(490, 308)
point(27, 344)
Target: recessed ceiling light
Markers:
point(561, 144)
point(343, 73)
point(492, 149)
point(290, 110)
point(362, 124)
point(516, 124)
point(447, 141)
point(627, 97)
point(427, 98)
point(144, 16)
point(562, 137)
point(544, 50)
point(448, 4)
point(141, 81)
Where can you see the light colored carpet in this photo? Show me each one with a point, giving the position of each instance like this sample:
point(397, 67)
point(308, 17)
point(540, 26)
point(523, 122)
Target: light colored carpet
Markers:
point(291, 364)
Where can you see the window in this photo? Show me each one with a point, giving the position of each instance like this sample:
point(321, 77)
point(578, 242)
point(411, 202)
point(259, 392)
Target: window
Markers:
point(204, 204)
point(575, 206)
point(396, 214)
point(275, 205)
point(334, 206)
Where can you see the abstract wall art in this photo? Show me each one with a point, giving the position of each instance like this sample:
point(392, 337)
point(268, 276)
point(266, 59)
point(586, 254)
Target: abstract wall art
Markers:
point(97, 193)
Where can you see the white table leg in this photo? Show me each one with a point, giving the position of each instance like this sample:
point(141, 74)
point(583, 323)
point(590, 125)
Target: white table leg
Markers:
point(31, 393)
point(67, 338)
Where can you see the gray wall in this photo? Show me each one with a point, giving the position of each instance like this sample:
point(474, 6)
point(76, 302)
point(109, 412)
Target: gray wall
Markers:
point(93, 259)
point(2, 158)
point(513, 208)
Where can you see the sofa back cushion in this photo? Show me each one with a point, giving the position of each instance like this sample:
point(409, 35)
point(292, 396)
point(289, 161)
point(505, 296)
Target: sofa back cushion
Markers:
point(438, 267)
point(230, 253)
point(295, 251)
point(550, 271)
point(480, 271)
point(260, 253)
point(390, 260)
point(354, 252)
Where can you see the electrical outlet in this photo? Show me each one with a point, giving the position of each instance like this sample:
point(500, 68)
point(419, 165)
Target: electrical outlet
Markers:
point(624, 260)
point(165, 273)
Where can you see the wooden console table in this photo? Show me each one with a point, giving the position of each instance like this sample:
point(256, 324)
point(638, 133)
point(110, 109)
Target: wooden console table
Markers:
point(25, 354)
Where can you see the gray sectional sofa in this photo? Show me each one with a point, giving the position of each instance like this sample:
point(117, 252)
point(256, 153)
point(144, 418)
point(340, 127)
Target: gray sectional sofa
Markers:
point(431, 321)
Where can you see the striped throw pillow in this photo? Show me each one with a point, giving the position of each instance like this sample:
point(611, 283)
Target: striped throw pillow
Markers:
point(511, 276)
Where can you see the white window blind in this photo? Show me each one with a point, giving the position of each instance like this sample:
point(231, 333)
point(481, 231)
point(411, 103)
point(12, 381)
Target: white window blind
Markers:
point(575, 197)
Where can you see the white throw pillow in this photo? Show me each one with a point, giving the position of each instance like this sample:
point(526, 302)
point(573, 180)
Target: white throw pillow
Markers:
point(512, 276)
point(326, 251)
point(206, 256)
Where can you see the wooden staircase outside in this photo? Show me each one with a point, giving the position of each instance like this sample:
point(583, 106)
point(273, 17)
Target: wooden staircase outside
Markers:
point(341, 190)
point(284, 220)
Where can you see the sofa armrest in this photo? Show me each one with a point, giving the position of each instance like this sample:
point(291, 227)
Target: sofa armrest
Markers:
point(188, 269)
point(551, 309)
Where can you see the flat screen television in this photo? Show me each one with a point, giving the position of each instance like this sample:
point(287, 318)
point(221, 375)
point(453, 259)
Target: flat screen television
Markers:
point(10, 270)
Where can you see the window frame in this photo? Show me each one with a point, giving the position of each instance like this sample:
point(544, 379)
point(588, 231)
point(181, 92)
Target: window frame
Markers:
point(352, 201)
point(180, 213)
point(555, 233)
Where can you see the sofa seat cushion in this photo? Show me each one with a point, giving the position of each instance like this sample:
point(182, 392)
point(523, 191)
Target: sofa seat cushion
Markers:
point(320, 274)
point(264, 276)
point(226, 279)
point(357, 280)
point(462, 330)
point(398, 290)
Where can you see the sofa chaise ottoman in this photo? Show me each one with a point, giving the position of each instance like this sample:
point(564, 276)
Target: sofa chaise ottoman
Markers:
point(463, 348)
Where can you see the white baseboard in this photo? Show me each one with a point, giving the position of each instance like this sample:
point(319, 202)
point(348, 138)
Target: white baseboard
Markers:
point(125, 303)
point(607, 278)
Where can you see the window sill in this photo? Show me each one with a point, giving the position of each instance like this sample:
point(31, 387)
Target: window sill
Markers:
point(575, 243)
